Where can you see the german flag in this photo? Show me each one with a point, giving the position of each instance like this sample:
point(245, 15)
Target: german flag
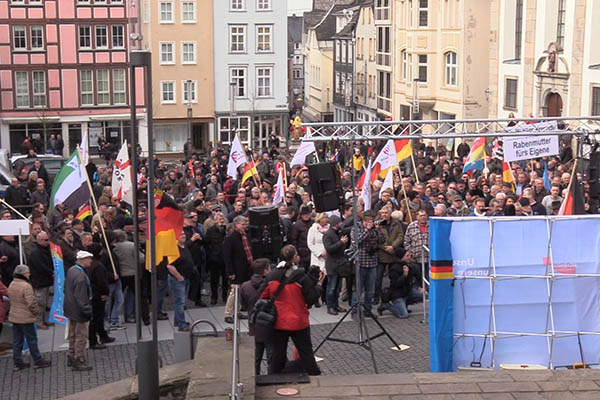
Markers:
point(441, 269)
point(507, 175)
point(249, 172)
point(84, 212)
point(169, 227)
point(403, 149)
point(573, 203)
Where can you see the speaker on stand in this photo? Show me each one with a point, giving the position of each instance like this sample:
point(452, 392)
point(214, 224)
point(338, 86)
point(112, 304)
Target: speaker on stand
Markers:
point(326, 185)
point(265, 232)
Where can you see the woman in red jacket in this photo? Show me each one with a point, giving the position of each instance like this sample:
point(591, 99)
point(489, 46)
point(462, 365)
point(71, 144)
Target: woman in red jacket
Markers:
point(300, 292)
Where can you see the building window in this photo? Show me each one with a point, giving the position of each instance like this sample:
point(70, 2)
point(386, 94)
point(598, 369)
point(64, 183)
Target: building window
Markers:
point(39, 89)
point(166, 12)
point(237, 5)
point(264, 81)
point(451, 68)
point(189, 87)
point(167, 90)
point(263, 5)
point(560, 23)
point(596, 101)
point(19, 38)
point(166, 53)
point(510, 99)
point(117, 36)
point(87, 88)
point(188, 12)
point(103, 86)
point(22, 89)
point(337, 83)
point(423, 7)
point(338, 51)
point(188, 53)
point(229, 126)
point(518, 29)
point(382, 10)
point(422, 67)
point(238, 76)
point(384, 92)
point(119, 93)
point(85, 37)
point(384, 56)
point(404, 65)
point(101, 36)
point(344, 51)
point(237, 38)
point(37, 37)
point(264, 38)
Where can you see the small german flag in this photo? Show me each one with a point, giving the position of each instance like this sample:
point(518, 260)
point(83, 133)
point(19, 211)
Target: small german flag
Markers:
point(169, 227)
point(249, 172)
point(441, 269)
point(84, 212)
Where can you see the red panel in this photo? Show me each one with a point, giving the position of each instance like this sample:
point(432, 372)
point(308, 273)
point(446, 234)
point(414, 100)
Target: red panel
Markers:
point(36, 13)
point(66, 9)
point(84, 12)
point(20, 59)
point(55, 99)
point(4, 34)
point(103, 57)
point(70, 88)
point(7, 101)
point(18, 13)
point(38, 59)
point(51, 34)
point(4, 10)
point(5, 79)
point(4, 55)
point(68, 53)
point(117, 12)
point(119, 57)
point(100, 12)
point(86, 58)
point(52, 52)
point(53, 79)
point(139, 86)
point(50, 9)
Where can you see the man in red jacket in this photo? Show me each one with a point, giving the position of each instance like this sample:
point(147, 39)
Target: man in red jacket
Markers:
point(300, 292)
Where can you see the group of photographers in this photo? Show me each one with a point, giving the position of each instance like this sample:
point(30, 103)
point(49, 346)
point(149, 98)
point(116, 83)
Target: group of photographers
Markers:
point(278, 300)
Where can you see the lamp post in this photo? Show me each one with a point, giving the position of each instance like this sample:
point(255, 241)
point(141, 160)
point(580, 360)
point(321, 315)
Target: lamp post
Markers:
point(189, 107)
point(232, 94)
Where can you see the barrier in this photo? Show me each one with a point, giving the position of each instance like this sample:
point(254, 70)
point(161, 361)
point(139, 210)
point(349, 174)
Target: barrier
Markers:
point(514, 290)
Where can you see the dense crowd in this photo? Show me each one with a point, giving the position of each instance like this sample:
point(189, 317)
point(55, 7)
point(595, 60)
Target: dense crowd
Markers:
point(215, 252)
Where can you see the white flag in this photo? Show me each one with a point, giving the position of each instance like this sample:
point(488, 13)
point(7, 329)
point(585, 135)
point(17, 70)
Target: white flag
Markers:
point(278, 195)
point(121, 179)
point(237, 157)
point(386, 158)
point(366, 189)
point(84, 149)
point(387, 183)
point(304, 150)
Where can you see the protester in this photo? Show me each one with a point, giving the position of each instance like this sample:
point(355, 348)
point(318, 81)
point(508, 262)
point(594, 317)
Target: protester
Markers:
point(42, 276)
point(238, 259)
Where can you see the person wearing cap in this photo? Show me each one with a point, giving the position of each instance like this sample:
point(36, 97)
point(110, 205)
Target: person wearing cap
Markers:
point(23, 314)
point(78, 309)
point(458, 207)
point(40, 195)
point(98, 275)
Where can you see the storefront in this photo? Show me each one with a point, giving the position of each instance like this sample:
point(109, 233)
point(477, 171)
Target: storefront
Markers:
point(255, 135)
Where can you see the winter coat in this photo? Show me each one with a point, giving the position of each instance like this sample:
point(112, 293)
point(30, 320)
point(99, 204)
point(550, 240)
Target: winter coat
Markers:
point(400, 285)
point(23, 304)
point(9, 250)
point(78, 295)
point(3, 292)
point(300, 238)
point(314, 241)
point(69, 253)
point(292, 302)
point(236, 262)
point(125, 251)
point(335, 252)
point(215, 236)
point(249, 294)
point(99, 280)
point(394, 236)
point(41, 267)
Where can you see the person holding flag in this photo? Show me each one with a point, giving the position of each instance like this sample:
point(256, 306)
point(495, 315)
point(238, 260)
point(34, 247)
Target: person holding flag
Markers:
point(122, 186)
point(237, 157)
point(278, 195)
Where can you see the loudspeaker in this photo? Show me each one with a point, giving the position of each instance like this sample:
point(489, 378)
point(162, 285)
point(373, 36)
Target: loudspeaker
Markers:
point(595, 174)
point(265, 232)
point(326, 185)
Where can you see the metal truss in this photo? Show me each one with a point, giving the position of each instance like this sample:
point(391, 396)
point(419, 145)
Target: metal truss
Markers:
point(450, 128)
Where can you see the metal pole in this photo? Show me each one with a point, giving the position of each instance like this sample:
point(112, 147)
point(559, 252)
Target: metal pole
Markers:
point(189, 108)
point(235, 366)
point(134, 208)
point(148, 348)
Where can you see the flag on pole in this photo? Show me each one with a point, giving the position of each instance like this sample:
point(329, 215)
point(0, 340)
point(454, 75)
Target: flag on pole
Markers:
point(84, 149)
point(388, 182)
point(70, 186)
point(573, 203)
point(249, 172)
point(476, 157)
point(122, 185)
point(386, 159)
point(191, 167)
point(366, 189)
point(169, 227)
point(84, 212)
point(237, 157)
point(546, 177)
point(507, 175)
point(403, 149)
point(280, 191)
point(303, 151)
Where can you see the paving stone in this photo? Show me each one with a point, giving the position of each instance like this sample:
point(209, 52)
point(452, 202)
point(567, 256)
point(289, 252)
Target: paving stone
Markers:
point(389, 389)
point(449, 388)
point(331, 391)
point(365, 380)
point(483, 376)
point(535, 376)
point(543, 396)
point(509, 387)
point(568, 386)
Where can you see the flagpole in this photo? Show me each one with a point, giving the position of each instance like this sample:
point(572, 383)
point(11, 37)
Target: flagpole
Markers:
point(2, 201)
point(404, 191)
point(573, 176)
point(285, 183)
point(87, 179)
point(414, 166)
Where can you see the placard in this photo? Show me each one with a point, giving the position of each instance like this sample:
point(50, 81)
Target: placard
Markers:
point(525, 148)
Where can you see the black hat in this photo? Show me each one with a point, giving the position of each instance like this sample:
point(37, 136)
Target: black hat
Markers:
point(524, 202)
point(334, 220)
point(270, 182)
point(400, 252)
point(304, 210)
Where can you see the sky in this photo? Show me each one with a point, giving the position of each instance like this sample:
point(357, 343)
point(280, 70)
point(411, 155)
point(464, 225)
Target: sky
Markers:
point(298, 6)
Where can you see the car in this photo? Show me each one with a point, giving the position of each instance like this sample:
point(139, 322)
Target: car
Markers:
point(6, 177)
point(52, 163)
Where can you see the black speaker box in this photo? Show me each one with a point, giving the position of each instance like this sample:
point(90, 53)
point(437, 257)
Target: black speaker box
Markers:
point(595, 174)
point(326, 185)
point(265, 232)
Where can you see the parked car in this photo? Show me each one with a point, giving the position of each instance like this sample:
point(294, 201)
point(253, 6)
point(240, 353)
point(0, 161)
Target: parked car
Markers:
point(6, 176)
point(52, 163)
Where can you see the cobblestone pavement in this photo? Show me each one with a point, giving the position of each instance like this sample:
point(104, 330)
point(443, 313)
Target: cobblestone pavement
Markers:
point(348, 359)
point(115, 363)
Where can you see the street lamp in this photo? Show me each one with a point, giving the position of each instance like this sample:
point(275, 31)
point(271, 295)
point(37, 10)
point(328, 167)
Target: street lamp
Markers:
point(189, 108)
point(232, 94)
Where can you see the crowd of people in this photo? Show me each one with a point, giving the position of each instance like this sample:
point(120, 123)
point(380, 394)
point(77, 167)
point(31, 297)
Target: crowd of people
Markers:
point(215, 252)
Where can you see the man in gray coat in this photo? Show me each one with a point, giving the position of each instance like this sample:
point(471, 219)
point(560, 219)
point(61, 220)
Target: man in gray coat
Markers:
point(78, 309)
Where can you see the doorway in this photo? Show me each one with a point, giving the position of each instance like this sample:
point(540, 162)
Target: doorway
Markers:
point(554, 105)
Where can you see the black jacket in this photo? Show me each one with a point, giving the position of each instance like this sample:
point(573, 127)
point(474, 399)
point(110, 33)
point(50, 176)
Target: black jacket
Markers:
point(299, 238)
point(69, 253)
point(236, 262)
point(99, 279)
point(249, 294)
point(215, 236)
point(335, 252)
point(16, 196)
point(9, 250)
point(41, 267)
point(196, 248)
point(400, 285)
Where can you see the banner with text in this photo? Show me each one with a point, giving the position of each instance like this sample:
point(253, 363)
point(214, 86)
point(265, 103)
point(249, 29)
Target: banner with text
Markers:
point(528, 147)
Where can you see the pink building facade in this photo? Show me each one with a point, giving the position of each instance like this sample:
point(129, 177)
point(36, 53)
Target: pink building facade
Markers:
point(64, 70)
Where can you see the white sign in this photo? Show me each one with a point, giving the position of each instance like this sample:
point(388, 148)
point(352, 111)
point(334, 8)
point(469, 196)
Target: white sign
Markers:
point(525, 148)
point(14, 227)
